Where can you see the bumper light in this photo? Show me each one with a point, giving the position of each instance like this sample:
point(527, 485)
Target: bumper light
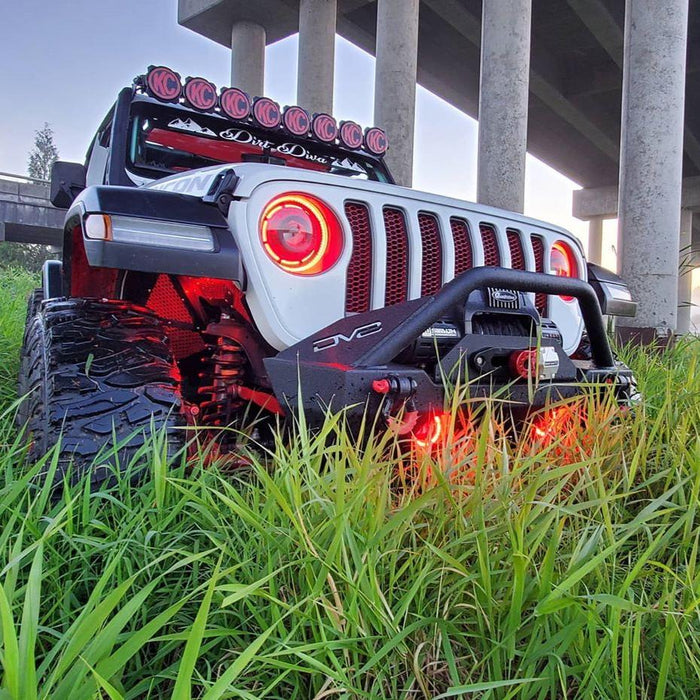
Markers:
point(150, 232)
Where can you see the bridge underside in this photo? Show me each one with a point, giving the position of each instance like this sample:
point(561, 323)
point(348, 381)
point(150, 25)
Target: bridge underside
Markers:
point(27, 216)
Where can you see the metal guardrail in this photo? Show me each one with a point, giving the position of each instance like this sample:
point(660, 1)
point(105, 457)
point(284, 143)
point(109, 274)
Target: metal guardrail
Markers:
point(25, 178)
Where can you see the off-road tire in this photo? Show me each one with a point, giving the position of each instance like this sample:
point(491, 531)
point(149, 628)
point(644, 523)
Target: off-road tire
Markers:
point(94, 372)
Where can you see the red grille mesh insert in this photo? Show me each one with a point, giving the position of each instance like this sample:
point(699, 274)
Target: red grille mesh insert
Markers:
point(463, 245)
point(167, 303)
point(517, 256)
point(396, 256)
point(358, 284)
point(431, 273)
point(492, 257)
point(538, 250)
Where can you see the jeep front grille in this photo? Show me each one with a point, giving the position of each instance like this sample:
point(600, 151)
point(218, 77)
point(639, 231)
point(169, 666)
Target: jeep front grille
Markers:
point(398, 254)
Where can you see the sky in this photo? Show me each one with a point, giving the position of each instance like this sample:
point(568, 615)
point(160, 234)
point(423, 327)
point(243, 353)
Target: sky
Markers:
point(63, 62)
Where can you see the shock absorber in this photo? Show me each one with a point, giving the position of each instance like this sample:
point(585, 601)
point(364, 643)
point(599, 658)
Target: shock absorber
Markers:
point(227, 368)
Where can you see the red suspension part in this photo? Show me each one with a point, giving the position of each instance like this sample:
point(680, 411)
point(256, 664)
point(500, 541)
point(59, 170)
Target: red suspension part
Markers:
point(228, 363)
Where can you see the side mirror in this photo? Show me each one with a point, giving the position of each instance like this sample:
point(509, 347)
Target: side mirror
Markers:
point(67, 182)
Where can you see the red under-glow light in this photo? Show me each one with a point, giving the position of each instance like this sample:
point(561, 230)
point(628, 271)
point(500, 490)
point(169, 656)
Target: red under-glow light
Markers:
point(351, 134)
point(296, 120)
point(163, 83)
point(376, 141)
point(301, 234)
point(429, 432)
point(562, 262)
point(267, 112)
point(234, 103)
point(324, 127)
point(200, 94)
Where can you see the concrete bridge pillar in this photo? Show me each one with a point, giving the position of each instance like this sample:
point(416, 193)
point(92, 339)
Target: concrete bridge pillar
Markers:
point(248, 57)
point(317, 19)
point(395, 82)
point(595, 240)
point(685, 276)
point(651, 152)
point(503, 100)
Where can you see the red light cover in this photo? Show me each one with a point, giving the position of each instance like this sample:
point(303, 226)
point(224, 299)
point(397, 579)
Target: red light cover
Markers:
point(267, 112)
point(296, 120)
point(234, 103)
point(562, 262)
point(324, 127)
point(351, 134)
point(300, 234)
point(163, 83)
point(200, 94)
point(376, 141)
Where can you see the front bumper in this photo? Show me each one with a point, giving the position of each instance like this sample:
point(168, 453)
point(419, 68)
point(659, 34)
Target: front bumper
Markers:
point(338, 366)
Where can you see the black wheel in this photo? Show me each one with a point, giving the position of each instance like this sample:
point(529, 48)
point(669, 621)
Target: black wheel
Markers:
point(33, 304)
point(95, 372)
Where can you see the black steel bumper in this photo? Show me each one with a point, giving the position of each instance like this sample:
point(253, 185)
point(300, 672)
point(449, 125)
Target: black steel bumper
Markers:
point(336, 367)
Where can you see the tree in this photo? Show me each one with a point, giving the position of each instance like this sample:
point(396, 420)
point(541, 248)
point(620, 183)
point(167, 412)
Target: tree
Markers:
point(44, 153)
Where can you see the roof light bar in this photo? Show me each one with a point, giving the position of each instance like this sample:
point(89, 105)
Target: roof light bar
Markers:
point(200, 94)
point(234, 103)
point(164, 84)
point(266, 112)
point(296, 120)
point(324, 127)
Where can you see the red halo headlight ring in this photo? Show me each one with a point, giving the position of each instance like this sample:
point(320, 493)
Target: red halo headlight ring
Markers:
point(324, 127)
point(266, 112)
point(163, 83)
point(350, 135)
point(301, 234)
point(200, 94)
point(563, 262)
point(296, 120)
point(376, 141)
point(235, 103)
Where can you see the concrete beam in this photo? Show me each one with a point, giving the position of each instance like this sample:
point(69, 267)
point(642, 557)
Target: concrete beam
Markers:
point(543, 82)
point(505, 68)
point(592, 202)
point(317, 21)
point(248, 57)
point(602, 25)
point(685, 276)
point(395, 82)
point(653, 101)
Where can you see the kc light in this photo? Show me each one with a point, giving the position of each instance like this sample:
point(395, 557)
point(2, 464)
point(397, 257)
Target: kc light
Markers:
point(562, 262)
point(150, 232)
point(300, 234)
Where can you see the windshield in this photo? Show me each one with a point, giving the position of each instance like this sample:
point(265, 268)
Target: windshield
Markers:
point(164, 141)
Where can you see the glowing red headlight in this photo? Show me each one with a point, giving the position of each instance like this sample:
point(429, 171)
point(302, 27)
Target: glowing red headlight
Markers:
point(296, 120)
point(200, 94)
point(235, 103)
point(163, 83)
point(562, 262)
point(324, 127)
point(301, 234)
point(267, 112)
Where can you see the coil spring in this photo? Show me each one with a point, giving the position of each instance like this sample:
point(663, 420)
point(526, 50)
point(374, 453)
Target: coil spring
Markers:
point(228, 363)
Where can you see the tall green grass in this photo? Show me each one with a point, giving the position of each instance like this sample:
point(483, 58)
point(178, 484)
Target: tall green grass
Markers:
point(560, 568)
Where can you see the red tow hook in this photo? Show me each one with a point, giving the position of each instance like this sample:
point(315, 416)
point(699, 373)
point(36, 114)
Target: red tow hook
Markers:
point(381, 386)
point(523, 363)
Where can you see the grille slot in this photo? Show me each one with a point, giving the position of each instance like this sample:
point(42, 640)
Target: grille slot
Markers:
point(461, 238)
point(359, 280)
point(538, 251)
point(396, 289)
point(431, 269)
point(492, 256)
point(515, 244)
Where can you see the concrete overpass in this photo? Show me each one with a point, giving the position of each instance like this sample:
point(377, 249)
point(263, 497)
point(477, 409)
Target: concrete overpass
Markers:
point(548, 76)
point(26, 214)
